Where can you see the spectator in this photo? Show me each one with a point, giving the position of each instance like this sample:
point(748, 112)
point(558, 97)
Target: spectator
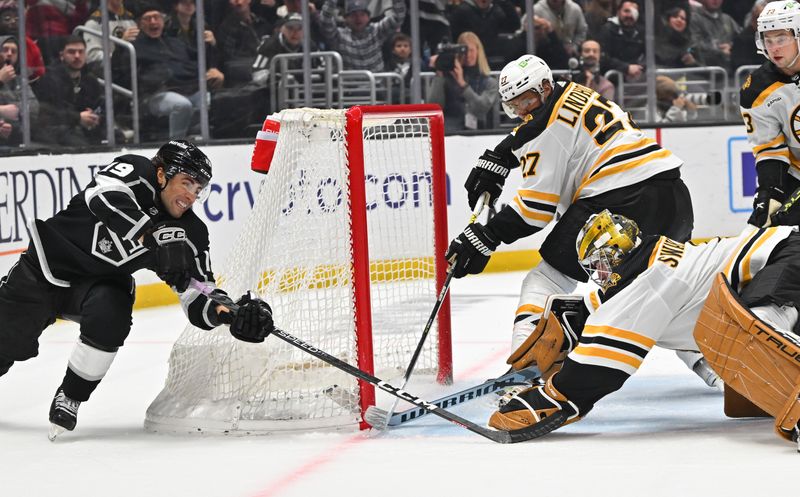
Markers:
point(121, 24)
point(742, 53)
point(239, 36)
point(673, 39)
point(182, 23)
point(295, 7)
point(597, 13)
point(49, 22)
point(11, 114)
point(672, 106)
point(466, 92)
point(713, 32)
point(71, 100)
point(434, 26)
point(549, 46)
point(359, 41)
point(589, 68)
point(487, 19)
point(167, 72)
point(567, 20)
point(400, 58)
point(288, 40)
point(9, 26)
point(623, 42)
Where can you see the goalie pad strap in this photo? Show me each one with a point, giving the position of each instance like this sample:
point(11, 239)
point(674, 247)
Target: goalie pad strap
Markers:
point(787, 420)
point(759, 362)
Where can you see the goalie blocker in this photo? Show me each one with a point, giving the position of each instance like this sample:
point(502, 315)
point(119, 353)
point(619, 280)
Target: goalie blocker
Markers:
point(758, 361)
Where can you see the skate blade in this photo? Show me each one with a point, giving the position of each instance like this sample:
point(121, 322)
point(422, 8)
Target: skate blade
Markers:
point(55, 431)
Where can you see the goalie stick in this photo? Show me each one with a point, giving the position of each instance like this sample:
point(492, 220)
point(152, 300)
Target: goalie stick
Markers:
point(482, 201)
point(543, 428)
point(378, 417)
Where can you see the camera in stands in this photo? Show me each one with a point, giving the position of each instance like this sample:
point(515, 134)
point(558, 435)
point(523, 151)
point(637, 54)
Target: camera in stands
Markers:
point(701, 98)
point(446, 60)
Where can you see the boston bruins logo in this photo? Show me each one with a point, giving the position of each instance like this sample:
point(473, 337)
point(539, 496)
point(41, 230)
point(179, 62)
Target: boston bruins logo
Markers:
point(794, 121)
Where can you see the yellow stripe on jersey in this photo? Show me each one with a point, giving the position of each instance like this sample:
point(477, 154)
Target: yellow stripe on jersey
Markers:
point(529, 309)
point(653, 255)
point(619, 334)
point(557, 106)
point(779, 140)
point(594, 300)
point(533, 195)
point(622, 149)
point(766, 93)
point(534, 215)
point(776, 154)
point(622, 167)
point(745, 273)
point(735, 254)
point(610, 355)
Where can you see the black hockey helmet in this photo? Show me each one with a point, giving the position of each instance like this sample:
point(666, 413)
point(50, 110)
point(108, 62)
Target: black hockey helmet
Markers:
point(181, 156)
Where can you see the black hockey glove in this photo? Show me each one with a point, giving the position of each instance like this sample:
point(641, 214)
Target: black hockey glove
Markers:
point(488, 175)
point(765, 203)
point(252, 322)
point(173, 255)
point(471, 250)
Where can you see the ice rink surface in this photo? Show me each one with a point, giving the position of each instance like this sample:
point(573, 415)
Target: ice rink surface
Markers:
point(662, 434)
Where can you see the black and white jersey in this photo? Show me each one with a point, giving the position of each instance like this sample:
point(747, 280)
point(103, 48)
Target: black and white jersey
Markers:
point(98, 233)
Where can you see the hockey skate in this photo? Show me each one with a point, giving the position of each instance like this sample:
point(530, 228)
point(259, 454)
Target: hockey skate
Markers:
point(63, 414)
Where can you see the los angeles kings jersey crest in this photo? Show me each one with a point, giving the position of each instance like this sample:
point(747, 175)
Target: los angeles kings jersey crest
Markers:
point(578, 145)
point(98, 233)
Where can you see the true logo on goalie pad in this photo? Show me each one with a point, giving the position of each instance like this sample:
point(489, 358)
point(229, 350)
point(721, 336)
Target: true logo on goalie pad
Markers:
point(788, 349)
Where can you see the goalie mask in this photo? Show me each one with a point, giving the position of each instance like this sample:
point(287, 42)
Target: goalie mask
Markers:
point(181, 156)
point(784, 15)
point(603, 242)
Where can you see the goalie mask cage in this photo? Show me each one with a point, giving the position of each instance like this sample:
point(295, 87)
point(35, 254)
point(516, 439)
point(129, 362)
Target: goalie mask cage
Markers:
point(346, 242)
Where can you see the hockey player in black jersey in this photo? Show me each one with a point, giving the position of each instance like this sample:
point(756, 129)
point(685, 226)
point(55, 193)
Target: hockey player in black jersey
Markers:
point(135, 214)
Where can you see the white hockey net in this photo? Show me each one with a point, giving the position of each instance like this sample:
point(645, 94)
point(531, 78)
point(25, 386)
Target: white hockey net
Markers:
point(296, 251)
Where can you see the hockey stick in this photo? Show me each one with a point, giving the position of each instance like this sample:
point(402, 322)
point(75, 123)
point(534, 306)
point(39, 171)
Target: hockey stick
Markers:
point(482, 200)
point(549, 424)
point(776, 216)
point(378, 417)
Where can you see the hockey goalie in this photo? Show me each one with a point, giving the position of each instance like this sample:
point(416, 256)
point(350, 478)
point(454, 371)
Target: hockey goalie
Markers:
point(653, 292)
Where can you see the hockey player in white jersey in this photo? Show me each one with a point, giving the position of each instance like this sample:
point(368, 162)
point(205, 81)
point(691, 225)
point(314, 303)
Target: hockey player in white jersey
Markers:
point(578, 154)
point(652, 290)
point(770, 107)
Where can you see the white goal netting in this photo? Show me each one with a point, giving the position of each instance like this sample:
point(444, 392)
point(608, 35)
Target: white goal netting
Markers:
point(296, 251)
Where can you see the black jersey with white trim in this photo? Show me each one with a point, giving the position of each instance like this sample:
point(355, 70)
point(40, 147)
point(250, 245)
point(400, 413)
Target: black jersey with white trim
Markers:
point(98, 233)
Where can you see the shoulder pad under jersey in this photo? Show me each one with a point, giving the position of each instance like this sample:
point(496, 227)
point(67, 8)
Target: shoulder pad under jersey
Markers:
point(760, 84)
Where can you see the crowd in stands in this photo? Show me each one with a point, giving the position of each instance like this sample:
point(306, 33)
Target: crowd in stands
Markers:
point(462, 41)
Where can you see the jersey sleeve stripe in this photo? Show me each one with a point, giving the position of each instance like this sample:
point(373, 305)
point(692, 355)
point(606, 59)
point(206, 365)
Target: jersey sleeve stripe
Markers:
point(616, 344)
point(594, 301)
point(776, 143)
point(526, 310)
point(619, 334)
point(766, 93)
point(622, 149)
point(732, 268)
point(608, 358)
point(533, 195)
point(751, 257)
point(532, 216)
point(656, 154)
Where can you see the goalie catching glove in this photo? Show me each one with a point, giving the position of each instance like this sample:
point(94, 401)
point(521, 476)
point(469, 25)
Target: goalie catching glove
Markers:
point(174, 258)
point(471, 250)
point(251, 322)
point(488, 176)
point(541, 407)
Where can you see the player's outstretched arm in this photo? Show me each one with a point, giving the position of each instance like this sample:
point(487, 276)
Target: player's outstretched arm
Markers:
point(250, 319)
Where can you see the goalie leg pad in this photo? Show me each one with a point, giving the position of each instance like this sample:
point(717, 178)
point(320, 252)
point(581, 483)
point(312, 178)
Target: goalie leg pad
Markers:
point(759, 362)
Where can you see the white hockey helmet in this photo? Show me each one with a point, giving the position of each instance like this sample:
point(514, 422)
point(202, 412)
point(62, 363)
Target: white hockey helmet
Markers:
point(778, 15)
point(528, 72)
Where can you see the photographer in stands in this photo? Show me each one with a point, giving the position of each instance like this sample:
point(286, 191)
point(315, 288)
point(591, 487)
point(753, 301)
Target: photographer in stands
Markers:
point(462, 86)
